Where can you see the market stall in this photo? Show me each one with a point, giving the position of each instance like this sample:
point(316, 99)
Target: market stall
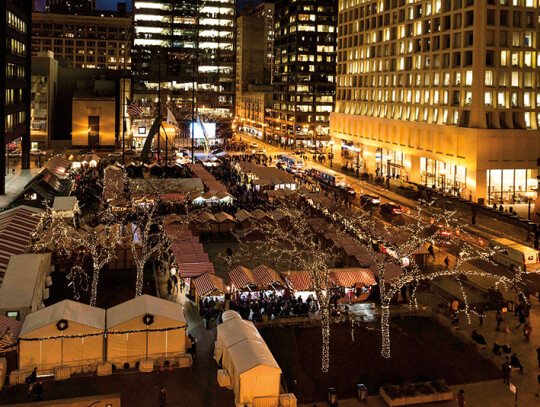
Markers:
point(354, 283)
point(209, 286)
point(231, 332)
point(67, 333)
point(145, 327)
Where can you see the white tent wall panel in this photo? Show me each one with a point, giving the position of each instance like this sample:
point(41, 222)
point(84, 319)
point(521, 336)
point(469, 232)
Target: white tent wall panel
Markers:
point(261, 381)
point(51, 353)
point(132, 347)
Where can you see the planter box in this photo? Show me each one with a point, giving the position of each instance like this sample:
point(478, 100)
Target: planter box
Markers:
point(414, 400)
point(445, 396)
point(402, 401)
point(430, 398)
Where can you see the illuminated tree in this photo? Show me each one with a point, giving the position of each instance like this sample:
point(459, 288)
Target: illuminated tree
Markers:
point(294, 244)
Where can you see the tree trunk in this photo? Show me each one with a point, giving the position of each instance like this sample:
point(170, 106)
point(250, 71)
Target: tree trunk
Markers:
point(325, 328)
point(140, 278)
point(385, 329)
point(95, 280)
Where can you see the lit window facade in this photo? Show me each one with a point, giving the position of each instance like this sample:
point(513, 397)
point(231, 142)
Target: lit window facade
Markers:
point(304, 71)
point(86, 41)
point(186, 51)
point(448, 88)
point(15, 17)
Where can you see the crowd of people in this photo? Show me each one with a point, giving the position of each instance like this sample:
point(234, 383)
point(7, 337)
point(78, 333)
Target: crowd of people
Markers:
point(272, 306)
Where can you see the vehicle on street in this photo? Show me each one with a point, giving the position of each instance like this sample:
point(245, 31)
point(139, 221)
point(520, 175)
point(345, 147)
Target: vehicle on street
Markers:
point(349, 190)
point(332, 178)
point(15, 154)
point(293, 163)
point(370, 199)
point(155, 151)
point(84, 152)
point(391, 208)
point(512, 254)
point(217, 150)
point(259, 152)
point(115, 154)
point(130, 151)
point(298, 152)
point(37, 151)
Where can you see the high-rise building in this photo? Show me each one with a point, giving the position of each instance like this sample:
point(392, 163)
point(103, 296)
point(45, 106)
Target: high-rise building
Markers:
point(15, 19)
point(266, 11)
point(183, 58)
point(304, 71)
point(86, 40)
point(69, 6)
point(44, 90)
point(443, 93)
point(253, 89)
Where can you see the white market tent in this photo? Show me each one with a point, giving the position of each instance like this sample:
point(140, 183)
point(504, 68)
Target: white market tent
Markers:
point(24, 283)
point(231, 332)
point(230, 314)
point(253, 371)
point(147, 327)
point(42, 341)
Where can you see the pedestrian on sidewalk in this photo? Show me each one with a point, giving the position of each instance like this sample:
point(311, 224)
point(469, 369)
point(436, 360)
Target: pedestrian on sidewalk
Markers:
point(538, 356)
point(431, 251)
point(499, 318)
point(521, 319)
point(461, 398)
point(514, 362)
point(527, 331)
point(506, 370)
point(446, 262)
point(163, 397)
point(38, 390)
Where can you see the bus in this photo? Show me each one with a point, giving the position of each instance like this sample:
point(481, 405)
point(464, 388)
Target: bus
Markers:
point(329, 177)
point(512, 254)
point(292, 163)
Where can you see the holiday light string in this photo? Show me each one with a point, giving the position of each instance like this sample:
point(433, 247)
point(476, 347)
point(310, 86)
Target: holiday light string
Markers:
point(104, 333)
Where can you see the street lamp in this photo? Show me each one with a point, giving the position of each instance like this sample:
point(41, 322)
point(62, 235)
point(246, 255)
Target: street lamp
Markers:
point(331, 151)
point(530, 195)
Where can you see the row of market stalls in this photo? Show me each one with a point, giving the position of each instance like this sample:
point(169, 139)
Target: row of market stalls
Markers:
point(209, 181)
point(354, 283)
point(76, 336)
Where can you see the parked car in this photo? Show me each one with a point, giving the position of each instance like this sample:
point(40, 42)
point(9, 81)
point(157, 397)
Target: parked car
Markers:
point(370, 199)
point(391, 208)
point(115, 154)
point(349, 190)
point(37, 151)
point(15, 154)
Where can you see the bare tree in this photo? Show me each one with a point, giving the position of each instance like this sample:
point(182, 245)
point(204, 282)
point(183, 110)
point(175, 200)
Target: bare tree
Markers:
point(58, 233)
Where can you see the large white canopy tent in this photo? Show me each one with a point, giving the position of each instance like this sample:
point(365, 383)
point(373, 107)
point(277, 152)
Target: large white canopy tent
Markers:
point(67, 333)
point(145, 327)
point(253, 371)
point(233, 331)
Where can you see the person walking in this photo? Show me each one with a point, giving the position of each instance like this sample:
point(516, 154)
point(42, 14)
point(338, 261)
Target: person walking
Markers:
point(514, 362)
point(446, 262)
point(431, 251)
point(461, 398)
point(499, 318)
point(38, 390)
point(538, 356)
point(31, 381)
point(163, 397)
point(527, 331)
point(506, 370)
point(521, 319)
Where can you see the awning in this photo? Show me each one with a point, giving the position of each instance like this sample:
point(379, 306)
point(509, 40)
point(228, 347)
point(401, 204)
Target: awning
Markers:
point(352, 276)
point(264, 275)
point(16, 228)
point(190, 270)
point(298, 280)
point(241, 277)
point(14, 326)
point(208, 284)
